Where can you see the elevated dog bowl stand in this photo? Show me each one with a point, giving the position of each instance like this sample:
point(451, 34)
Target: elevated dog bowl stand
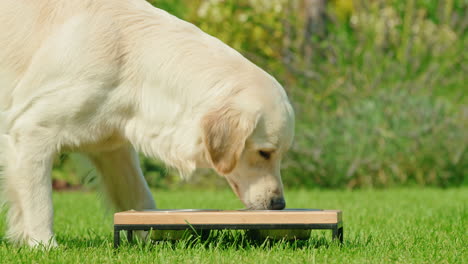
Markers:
point(219, 219)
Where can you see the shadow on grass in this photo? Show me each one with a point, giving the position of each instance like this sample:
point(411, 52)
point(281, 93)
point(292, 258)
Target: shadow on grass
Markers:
point(219, 239)
point(241, 239)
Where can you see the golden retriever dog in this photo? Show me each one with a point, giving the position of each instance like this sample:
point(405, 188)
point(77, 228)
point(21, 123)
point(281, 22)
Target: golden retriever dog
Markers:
point(108, 78)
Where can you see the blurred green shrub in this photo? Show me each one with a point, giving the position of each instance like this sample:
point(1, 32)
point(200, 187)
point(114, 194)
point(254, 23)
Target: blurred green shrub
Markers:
point(385, 139)
point(379, 96)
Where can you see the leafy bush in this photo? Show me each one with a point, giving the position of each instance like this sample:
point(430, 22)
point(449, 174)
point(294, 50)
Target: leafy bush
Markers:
point(382, 140)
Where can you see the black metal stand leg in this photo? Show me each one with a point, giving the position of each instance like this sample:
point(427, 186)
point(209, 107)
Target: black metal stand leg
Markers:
point(338, 234)
point(116, 238)
point(130, 236)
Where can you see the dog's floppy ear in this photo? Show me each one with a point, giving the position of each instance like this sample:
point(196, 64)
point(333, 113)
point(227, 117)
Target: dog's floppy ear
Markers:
point(224, 134)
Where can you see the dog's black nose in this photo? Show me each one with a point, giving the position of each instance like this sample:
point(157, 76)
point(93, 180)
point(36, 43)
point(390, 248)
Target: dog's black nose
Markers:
point(277, 204)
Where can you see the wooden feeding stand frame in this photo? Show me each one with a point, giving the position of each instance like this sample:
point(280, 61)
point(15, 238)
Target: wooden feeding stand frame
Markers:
point(219, 219)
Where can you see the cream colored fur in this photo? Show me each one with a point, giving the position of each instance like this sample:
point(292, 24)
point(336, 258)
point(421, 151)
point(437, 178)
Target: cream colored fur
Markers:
point(111, 77)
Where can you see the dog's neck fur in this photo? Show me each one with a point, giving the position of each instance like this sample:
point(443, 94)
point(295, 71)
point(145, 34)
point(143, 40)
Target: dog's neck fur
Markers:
point(164, 94)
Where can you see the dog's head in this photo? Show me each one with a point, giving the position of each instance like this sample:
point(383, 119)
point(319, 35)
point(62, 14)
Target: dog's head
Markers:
point(245, 141)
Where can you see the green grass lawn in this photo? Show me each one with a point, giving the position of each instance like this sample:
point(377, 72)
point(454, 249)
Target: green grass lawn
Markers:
point(381, 226)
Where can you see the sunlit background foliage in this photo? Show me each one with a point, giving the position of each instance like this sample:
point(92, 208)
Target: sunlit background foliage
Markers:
point(379, 88)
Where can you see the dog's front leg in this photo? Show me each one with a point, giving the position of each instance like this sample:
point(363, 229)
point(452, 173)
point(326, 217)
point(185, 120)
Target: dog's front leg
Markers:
point(123, 180)
point(28, 188)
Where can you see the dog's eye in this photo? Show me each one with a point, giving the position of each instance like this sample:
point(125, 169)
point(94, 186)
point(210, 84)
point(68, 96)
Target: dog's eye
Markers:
point(266, 155)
